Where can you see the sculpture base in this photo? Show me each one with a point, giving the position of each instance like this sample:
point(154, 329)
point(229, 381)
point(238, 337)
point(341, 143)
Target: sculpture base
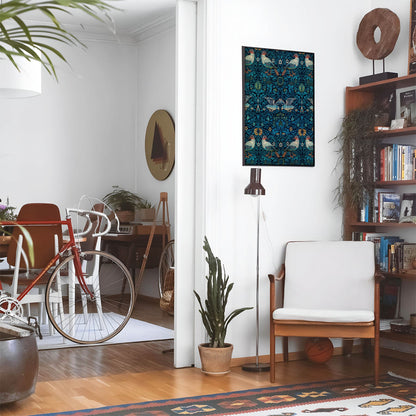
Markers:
point(377, 77)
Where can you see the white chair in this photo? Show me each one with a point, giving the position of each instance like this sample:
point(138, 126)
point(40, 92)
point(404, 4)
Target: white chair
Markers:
point(329, 289)
point(46, 240)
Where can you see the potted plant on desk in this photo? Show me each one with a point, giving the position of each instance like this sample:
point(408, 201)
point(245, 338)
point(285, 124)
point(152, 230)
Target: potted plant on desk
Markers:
point(216, 355)
point(145, 211)
point(123, 202)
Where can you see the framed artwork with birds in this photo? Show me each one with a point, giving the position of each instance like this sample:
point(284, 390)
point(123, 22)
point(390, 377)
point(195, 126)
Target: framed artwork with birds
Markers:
point(278, 107)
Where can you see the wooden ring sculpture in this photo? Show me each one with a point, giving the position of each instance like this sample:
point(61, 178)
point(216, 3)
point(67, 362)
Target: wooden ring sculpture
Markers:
point(389, 25)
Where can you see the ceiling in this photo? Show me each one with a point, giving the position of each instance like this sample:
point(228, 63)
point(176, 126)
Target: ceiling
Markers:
point(132, 17)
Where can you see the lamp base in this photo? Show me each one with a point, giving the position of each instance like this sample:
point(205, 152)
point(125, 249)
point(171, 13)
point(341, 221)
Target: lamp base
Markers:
point(253, 367)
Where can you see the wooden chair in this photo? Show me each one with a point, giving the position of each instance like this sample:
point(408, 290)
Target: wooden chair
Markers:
point(46, 241)
point(329, 289)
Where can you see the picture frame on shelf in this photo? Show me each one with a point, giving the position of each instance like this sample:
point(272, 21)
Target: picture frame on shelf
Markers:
point(278, 107)
point(406, 105)
point(397, 123)
point(408, 208)
point(389, 207)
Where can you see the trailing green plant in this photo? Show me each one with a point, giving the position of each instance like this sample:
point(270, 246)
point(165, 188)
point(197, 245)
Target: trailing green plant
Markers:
point(33, 41)
point(357, 155)
point(122, 200)
point(213, 309)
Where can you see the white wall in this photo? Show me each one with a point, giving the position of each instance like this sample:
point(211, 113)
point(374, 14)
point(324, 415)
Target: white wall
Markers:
point(97, 114)
point(155, 91)
point(78, 136)
point(299, 201)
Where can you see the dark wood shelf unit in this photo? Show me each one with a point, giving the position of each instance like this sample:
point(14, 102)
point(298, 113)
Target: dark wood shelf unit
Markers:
point(397, 336)
point(383, 224)
point(407, 131)
point(360, 97)
point(380, 184)
point(401, 275)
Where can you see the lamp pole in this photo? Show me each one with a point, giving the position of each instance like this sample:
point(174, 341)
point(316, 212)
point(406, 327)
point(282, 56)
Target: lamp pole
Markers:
point(256, 189)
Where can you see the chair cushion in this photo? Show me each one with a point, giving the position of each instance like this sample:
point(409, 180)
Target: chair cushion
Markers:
point(329, 274)
point(323, 315)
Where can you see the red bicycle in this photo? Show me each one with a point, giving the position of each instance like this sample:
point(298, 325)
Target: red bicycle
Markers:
point(89, 295)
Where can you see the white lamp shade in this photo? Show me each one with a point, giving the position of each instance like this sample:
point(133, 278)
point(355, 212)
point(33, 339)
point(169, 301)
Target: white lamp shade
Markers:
point(20, 84)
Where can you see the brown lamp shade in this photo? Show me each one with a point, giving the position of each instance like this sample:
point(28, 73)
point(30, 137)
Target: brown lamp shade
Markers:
point(255, 187)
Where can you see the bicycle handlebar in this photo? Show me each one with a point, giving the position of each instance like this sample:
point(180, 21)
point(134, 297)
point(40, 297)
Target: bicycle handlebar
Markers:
point(87, 214)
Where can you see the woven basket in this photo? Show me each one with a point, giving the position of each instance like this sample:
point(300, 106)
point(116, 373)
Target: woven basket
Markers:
point(167, 298)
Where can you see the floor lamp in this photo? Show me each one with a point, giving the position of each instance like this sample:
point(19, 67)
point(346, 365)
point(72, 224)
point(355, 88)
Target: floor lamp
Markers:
point(255, 188)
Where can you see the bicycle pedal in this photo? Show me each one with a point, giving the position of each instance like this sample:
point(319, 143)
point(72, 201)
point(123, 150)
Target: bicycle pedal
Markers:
point(35, 325)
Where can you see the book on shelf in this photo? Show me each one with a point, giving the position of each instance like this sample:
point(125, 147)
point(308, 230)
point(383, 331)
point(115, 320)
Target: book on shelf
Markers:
point(401, 255)
point(385, 257)
point(389, 207)
point(397, 162)
point(391, 253)
point(408, 256)
point(408, 208)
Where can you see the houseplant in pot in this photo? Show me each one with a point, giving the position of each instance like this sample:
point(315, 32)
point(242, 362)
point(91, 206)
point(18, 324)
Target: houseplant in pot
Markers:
point(216, 354)
point(123, 202)
point(145, 211)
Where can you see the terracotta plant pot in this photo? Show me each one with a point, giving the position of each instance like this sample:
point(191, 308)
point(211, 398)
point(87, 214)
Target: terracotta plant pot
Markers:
point(215, 361)
point(146, 214)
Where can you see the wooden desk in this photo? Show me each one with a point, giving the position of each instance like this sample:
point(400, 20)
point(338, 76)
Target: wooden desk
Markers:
point(130, 248)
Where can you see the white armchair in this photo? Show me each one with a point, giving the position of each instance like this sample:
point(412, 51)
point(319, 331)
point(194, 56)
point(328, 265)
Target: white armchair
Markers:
point(329, 289)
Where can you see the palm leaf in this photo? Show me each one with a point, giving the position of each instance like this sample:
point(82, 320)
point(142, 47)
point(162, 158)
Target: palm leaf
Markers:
point(28, 40)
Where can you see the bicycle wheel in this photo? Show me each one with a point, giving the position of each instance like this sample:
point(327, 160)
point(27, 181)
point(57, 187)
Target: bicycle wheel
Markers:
point(83, 318)
point(167, 261)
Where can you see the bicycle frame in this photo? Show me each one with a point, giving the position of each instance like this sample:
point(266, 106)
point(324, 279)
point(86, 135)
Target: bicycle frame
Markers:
point(70, 245)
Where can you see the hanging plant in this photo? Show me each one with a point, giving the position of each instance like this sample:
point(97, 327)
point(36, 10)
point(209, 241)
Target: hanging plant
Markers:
point(357, 154)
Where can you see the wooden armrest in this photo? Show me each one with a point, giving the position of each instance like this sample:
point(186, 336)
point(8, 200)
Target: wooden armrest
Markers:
point(280, 275)
point(273, 278)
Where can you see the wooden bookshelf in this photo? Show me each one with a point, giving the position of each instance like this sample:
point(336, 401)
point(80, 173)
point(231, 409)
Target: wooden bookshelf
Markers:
point(405, 275)
point(360, 97)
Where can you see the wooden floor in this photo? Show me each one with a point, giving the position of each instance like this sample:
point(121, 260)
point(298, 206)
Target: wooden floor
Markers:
point(89, 377)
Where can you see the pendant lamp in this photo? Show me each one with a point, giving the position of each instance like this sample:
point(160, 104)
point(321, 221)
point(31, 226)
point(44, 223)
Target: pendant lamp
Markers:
point(20, 83)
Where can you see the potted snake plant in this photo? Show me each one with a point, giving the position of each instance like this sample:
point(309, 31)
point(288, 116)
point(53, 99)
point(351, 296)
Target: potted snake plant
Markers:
point(216, 354)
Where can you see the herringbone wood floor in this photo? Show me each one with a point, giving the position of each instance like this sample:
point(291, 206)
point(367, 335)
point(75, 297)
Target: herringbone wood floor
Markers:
point(79, 378)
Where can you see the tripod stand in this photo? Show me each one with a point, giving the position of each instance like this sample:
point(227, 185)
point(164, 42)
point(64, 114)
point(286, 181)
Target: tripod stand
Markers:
point(163, 202)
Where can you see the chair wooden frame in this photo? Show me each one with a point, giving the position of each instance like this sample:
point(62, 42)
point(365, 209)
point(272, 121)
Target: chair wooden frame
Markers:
point(286, 328)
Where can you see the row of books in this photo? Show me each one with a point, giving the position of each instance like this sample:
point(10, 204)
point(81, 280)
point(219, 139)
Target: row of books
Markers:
point(392, 253)
point(397, 162)
point(388, 206)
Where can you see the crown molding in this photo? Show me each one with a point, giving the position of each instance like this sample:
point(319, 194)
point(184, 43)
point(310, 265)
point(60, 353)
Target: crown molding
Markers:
point(158, 26)
point(107, 33)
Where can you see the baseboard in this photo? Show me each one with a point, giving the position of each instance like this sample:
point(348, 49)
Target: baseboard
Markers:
point(293, 356)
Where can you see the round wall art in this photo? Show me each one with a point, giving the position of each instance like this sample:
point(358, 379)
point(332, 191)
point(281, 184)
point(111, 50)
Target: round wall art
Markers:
point(160, 144)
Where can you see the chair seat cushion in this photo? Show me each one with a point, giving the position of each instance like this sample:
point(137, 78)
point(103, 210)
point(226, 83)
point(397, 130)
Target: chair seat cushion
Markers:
point(323, 315)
